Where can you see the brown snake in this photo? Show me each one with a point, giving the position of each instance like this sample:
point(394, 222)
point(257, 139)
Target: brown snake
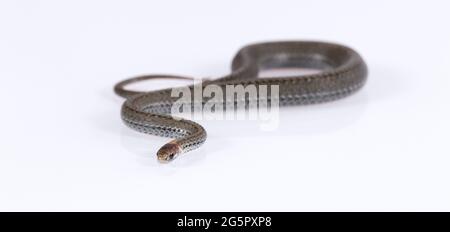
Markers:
point(342, 72)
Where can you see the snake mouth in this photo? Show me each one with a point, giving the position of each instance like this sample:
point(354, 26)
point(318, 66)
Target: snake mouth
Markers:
point(163, 160)
point(166, 158)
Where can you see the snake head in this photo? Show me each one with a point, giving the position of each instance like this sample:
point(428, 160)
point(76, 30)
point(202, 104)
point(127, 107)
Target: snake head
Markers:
point(168, 152)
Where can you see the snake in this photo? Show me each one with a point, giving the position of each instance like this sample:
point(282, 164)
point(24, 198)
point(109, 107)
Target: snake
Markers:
point(341, 72)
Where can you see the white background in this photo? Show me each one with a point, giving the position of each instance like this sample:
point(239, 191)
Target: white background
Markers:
point(64, 147)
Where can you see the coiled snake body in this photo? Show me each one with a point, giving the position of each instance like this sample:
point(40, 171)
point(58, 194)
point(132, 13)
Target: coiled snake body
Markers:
point(342, 72)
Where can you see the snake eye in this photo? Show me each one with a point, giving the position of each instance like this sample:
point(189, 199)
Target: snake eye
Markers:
point(171, 156)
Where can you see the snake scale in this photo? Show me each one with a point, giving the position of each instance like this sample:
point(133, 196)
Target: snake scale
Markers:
point(342, 72)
